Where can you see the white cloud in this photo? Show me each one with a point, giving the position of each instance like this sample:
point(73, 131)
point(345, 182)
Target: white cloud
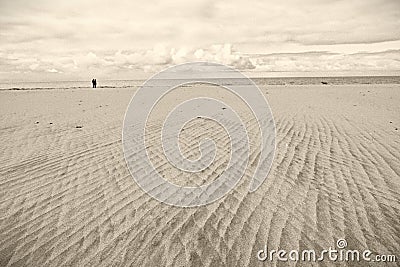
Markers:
point(325, 61)
point(129, 63)
point(83, 38)
point(52, 70)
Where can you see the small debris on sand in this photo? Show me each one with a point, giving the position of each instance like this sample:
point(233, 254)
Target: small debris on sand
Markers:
point(324, 83)
point(78, 126)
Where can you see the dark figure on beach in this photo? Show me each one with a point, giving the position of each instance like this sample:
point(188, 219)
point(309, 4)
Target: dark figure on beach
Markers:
point(94, 83)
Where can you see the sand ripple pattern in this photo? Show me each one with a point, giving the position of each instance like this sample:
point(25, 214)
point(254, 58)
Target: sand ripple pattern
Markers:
point(68, 199)
point(136, 120)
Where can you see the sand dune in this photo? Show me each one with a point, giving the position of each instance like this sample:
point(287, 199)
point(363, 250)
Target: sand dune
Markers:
point(67, 197)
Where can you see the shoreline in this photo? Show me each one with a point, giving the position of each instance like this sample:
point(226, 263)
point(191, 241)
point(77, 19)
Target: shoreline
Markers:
point(134, 87)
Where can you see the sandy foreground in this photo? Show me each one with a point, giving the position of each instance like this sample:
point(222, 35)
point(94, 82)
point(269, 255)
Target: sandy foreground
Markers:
point(67, 197)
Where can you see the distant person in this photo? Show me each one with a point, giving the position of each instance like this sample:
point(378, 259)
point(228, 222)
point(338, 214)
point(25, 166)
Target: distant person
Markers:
point(94, 83)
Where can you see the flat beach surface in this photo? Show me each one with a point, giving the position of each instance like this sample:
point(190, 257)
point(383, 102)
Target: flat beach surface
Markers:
point(67, 197)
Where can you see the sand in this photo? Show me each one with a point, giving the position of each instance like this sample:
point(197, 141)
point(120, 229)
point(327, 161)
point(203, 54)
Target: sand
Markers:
point(67, 197)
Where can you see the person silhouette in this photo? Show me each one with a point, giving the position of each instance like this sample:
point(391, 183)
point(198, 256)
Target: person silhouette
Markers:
point(92, 83)
point(95, 83)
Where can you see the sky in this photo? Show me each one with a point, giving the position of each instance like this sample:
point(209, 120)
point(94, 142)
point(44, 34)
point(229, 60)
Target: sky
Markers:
point(120, 39)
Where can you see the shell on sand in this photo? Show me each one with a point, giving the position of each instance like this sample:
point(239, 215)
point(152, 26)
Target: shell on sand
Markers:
point(67, 197)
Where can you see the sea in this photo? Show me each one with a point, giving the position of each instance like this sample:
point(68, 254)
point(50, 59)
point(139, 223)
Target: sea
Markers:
point(110, 84)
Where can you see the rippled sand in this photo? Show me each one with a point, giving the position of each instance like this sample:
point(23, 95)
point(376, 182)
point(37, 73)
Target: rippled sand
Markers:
point(67, 197)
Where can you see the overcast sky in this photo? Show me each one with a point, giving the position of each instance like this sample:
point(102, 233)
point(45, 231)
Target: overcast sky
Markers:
point(75, 39)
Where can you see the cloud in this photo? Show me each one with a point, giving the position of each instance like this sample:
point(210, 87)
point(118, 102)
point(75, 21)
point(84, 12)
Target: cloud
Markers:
point(162, 56)
point(52, 70)
point(328, 62)
point(127, 63)
point(151, 60)
point(80, 38)
point(142, 24)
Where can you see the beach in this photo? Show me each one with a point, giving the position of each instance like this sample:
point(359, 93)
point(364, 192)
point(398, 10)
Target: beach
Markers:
point(67, 197)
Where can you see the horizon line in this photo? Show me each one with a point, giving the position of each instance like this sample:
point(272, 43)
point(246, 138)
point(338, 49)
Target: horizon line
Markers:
point(251, 77)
